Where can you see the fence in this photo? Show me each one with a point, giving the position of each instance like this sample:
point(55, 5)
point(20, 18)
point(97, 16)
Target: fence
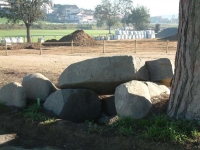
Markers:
point(105, 46)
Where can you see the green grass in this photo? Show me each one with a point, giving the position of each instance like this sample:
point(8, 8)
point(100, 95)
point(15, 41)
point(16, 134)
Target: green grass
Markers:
point(158, 128)
point(33, 113)
point(17, 33)
point(93, 127)
point(48, 34)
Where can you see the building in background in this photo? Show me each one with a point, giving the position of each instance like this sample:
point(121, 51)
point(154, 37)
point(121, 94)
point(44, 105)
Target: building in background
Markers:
point(73, 14)
point(84, 16)
point(71, 9)
point(3, 4)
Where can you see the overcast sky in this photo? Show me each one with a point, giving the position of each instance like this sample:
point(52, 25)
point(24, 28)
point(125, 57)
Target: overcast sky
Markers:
point(157, 7)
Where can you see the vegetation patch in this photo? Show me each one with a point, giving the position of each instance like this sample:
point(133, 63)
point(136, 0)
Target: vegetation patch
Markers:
point(1, 105)
point(48, 34)
point(33, 112)
point(158, 128)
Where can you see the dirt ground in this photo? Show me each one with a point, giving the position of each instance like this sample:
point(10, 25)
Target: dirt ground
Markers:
point(17, 133)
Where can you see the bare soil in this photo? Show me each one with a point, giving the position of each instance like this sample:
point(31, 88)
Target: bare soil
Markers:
point(16, 132)
point(79, 37)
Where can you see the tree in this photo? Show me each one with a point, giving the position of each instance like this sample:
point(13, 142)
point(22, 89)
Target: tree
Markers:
point(184, 102)
point(139, 17)
point(107, 12)
point(125, 9)
point(28, 11)
point(59, 10)
point(99, 23)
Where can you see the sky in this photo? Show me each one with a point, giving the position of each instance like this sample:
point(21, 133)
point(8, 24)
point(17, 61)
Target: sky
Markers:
point(156, 7)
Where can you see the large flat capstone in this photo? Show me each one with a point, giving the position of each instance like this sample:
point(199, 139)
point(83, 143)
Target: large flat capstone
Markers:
point(103, 74)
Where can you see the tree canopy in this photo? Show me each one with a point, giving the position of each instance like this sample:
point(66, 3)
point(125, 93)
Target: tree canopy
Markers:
point(139, 17)
point(125, 9)
point(107, 12)
point(28, 11)
point(111, 12)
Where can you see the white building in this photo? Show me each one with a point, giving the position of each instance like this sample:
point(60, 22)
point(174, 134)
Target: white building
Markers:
point(71, 9)
point(87, 16)
point(3, 4)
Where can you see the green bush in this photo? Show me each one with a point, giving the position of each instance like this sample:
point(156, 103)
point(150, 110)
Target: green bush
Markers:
point(33, 112)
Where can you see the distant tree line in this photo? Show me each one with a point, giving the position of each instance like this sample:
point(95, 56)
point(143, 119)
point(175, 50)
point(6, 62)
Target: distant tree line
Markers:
point(111, 12)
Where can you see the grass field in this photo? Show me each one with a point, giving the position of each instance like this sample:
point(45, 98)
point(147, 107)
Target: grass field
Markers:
point(48, 34)
point(9, 33)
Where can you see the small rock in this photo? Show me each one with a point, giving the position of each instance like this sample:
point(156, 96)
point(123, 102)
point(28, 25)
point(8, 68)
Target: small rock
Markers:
point(161, 70)
point(108, 120)
point(38, 86)
point(13, 94)
point(133, 99)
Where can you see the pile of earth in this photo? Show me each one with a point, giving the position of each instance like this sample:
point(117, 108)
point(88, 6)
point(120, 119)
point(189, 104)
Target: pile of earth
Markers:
point(171, 38)
point(79, 38)
point(167, 33)
point(52, 40)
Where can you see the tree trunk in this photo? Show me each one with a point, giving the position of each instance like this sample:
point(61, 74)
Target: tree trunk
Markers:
point(109, 29)
point(185, 91)
point(28, 26)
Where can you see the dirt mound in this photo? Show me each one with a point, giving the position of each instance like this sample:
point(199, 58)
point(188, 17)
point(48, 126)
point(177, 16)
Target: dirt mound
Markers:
point(171, 38)
point(52, 40)
point(167, 32)
point(80, 38)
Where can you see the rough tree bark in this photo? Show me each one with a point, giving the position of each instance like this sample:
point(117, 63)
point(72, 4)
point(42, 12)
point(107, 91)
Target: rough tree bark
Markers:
point(185, 92)
point(109, 28)
point(28, 26)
